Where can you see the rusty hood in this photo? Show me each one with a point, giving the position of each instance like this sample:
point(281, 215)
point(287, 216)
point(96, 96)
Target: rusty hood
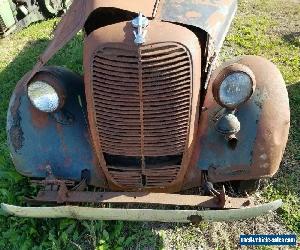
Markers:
point(213, 16)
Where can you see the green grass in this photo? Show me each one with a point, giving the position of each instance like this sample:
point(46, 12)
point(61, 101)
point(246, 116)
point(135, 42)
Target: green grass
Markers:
point(266, 28)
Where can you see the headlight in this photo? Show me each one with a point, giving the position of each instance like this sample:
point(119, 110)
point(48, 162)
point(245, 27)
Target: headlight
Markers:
point(43, 96)
point(234, 85)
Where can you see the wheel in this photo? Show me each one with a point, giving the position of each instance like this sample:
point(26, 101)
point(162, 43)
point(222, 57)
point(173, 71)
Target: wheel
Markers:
point(51, 8)
point(246, 186)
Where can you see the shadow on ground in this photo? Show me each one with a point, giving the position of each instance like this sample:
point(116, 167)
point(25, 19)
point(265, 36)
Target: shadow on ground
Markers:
point(293, 38)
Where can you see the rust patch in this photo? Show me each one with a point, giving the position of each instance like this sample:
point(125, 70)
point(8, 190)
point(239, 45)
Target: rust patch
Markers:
point(214, 3)
point(59, 128)
point(216, 18)
point(16, 134)
point(192, 14)
point(16, 137)
point(75, 196)
point(38, 118)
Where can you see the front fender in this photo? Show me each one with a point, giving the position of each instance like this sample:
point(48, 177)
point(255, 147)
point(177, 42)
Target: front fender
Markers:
point(62, 141)
point(265, 121)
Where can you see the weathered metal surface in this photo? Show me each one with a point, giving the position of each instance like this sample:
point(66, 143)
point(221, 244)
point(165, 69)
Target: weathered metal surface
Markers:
point(149, 111)
point(182, 216)
point(213, 16)
point(45, 197)
point(117, 98)
point(37, 139)
point(264, 119)
point(213, 148)
point(144, 102)
point(228, 124)
point(57, 191)
point(75, 18)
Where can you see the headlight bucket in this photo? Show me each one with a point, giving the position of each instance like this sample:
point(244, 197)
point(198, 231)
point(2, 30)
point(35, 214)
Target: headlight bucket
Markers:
point(45, 93)
point(234, 85)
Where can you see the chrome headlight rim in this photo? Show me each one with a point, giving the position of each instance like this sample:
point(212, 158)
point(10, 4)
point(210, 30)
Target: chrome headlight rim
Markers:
point(51, 82)
point(226, 72)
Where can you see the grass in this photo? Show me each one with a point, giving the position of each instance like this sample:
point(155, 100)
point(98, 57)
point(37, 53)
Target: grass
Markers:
point(268, 28)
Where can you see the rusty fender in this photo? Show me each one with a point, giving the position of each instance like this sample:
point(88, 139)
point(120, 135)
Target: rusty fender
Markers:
point(60, 140)
point(265, 122)
point(183, 216)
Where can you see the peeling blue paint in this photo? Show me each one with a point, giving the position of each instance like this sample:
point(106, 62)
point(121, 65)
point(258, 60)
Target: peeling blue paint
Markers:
point(214, 149)
point(66, 148)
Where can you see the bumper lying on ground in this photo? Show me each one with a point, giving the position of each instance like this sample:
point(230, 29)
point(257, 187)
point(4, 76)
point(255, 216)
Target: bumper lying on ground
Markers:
point(183, 216)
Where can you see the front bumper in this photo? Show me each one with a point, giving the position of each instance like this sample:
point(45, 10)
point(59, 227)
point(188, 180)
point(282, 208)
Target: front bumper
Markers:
point(183, 216)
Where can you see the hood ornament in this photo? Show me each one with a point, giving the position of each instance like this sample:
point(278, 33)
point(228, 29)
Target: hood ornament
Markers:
point(140, 22)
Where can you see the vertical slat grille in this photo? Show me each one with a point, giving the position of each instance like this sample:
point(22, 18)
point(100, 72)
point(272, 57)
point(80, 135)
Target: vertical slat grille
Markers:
point(116, 101)
point(142, 100)
point(166, 83)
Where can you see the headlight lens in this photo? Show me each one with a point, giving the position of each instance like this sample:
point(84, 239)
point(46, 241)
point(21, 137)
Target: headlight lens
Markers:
point(43, 96)
point(234, 86)
point(235, 89)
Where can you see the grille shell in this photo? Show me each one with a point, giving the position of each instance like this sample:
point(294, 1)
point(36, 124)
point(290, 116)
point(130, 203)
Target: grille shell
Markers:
point(142, 99)
point(117, 41)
